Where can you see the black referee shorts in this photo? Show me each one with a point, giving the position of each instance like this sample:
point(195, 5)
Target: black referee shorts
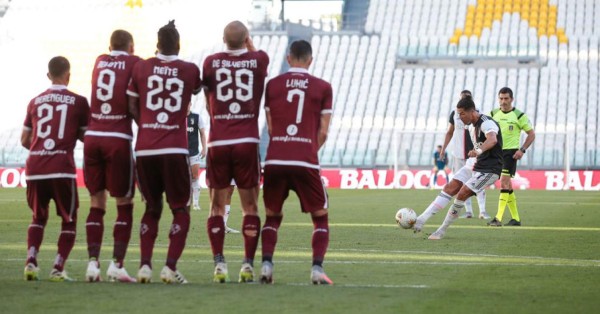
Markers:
point(510, 164)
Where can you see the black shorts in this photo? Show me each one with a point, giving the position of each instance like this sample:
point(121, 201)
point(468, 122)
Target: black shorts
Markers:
point(510, 164)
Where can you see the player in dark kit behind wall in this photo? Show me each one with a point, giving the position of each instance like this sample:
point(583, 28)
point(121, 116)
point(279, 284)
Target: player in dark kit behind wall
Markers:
point(160, 93)
point(55, 120)
point(108, 157)
point(298, 108)
point(233, 83)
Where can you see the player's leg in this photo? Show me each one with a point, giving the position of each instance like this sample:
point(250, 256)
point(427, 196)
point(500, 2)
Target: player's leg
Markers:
point(195, 167)
point(512, 198)
point(481, 201)
point(151, 186)
point(228, 208)
point(434, 174)
point(504, 188)
point(179, 193)
point(95, 173)
point(38, 200)
point(247, 175)
point(275, 192)
point(219, 175)
point(64, 193)
point(475, 184)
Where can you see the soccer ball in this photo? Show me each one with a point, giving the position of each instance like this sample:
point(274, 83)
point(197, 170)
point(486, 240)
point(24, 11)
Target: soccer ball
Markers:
point(406, 218)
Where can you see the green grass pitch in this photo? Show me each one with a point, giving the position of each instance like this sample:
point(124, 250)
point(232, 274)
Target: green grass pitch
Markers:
point(549, 265)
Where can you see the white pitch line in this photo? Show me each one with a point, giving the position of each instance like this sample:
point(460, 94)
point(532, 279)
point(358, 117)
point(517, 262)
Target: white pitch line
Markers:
point(303, 284)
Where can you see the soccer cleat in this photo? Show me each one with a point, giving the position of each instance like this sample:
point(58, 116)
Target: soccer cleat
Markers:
point(221, 275)
point(230, 230)
point(92, 273)
point(418, 225)
point(167, 275)
point(318, 276)
point(59, 276)
point(438, 235)
point(266, 273)
point(495, 223)
point(197, 207)
point(513, 222)
point(144, 275)
point(484, 215)
point(467, 215)
point(116, 274)
point(31, 272)
point(246, 273)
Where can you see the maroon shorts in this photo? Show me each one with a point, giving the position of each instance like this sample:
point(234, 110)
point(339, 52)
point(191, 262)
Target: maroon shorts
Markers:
point(240, 162)
point(306, 182)
point(168, 173)
point(62, 190)
point(108, 165)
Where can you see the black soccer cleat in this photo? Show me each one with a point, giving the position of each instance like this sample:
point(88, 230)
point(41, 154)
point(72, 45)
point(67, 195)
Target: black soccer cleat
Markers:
point(495, 223)
point(513, 222)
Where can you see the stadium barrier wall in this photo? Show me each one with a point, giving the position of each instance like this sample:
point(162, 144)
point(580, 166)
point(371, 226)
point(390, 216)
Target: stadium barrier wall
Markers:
point(384, 179)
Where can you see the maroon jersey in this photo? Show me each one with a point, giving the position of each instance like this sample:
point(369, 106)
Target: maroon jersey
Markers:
point(55, 118)
point(234, 81)
point(109, 111)
point(164, 85)
point(296, 100)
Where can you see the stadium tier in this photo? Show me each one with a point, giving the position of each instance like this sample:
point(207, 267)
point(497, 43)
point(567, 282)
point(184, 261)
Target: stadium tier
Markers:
point(397, 78)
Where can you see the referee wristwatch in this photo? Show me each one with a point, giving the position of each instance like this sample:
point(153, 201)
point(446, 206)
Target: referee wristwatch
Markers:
point(523, 150)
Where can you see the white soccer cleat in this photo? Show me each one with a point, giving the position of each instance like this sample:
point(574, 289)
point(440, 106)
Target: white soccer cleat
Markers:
point(31, 272)
point(438, 235)
point(167, 275)
point(467, 215)
point(230, 230)
point(246, 273)
point(197, 207)
point(116, 274)
point(266, 273)
point(144, 275)
point(318, 276)
point(418, 225)
point(221, 275)
point(484, 215)
point(92, 274)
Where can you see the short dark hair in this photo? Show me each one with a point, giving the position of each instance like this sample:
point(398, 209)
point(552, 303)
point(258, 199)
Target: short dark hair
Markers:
point(168, 38)
point(466, 104)
point(120, 40)
point(301, 50)
point(506, 90)
point(466, 92)
point(58, 66)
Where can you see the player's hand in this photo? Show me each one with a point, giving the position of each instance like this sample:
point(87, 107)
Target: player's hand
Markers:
point(472, 153)
point(250, 44)
point(442, 155)
point(518, 155)
point(203, 153)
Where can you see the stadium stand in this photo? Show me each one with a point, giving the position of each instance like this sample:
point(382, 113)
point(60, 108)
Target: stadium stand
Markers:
point(397, 75)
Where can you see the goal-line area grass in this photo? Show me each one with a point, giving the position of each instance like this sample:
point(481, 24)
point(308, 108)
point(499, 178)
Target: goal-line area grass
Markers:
point(550, 264)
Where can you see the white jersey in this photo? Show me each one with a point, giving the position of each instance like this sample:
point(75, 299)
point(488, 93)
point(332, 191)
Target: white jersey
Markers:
point(462, 140)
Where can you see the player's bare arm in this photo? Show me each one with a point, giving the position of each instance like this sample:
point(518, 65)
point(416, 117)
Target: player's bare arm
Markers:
point(203, 143)
point(26, 137)
point(249, 44)
point(269, 123)
point(490, 141)
point(134, 108)
point(324, 128)
point(81, 133)
point(528, 141)
point(447, 140)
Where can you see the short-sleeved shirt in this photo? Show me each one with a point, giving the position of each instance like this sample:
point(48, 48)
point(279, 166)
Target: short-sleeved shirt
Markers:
point(511, 123)
point(234, 82)
point(194, 125)
point(296, 101)
point(164, 85)
point(461, 138)
point(490, 161)
point(109, 115)
point(55, 118)
point(440, 163)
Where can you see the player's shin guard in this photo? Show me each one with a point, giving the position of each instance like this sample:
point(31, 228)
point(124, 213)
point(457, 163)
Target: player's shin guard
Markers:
point(94, 227)
point(196, 190)
point(453, 213)
point(122, 232)
point(35, 235)
point(227, 211)
point(148, 234)
point(215, 226)
point(512, 205)
point(320, 238)
point(481, 201)
point(469, 206)
point(269, 237)
point(251, 232)
point(502, 201)
point(440, 202)
point(177, 236)
point(66, 240)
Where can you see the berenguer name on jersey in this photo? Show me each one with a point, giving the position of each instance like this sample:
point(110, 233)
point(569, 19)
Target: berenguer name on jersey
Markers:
point(59, 98)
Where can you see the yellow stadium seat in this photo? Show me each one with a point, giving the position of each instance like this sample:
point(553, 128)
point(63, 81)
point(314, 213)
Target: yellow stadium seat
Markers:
point(454, 40)
point(457, 32)
point(525, 14)
point(477, 32)
point(533, 23)
point(553, 8)
point(563, 39)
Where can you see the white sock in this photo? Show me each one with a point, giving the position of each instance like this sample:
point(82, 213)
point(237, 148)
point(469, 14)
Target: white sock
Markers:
point(469, 206)
point(226, 216)
point(195, 191)
point(453, 213)
point(438, 203)
point(481, 201)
